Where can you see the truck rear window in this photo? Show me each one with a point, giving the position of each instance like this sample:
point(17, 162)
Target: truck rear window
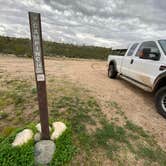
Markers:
point(120, 52)
point(132, 49)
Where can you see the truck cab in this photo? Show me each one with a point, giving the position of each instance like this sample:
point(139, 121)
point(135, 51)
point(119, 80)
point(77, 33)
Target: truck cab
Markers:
point(144, 64)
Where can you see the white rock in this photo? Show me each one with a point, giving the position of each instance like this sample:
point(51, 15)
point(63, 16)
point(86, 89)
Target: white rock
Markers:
point(59, 128)
point(38, 127)
point(22, 137)
point(37, 137)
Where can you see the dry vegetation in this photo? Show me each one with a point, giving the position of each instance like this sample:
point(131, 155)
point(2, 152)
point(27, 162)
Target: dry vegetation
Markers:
point(21, 47)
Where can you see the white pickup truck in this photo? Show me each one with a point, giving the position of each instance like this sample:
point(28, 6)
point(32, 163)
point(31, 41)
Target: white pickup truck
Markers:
point(144, 64)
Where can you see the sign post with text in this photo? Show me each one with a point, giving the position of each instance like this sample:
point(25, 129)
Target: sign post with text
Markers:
point(37, 48)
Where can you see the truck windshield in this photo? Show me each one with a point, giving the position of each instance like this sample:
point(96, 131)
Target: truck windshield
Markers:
point(163, 45)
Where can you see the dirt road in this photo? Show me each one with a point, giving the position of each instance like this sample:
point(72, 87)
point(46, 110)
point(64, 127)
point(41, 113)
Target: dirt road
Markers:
point(91, 74)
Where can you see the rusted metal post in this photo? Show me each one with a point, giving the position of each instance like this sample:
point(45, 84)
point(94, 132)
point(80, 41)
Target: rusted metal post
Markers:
point(37, 48)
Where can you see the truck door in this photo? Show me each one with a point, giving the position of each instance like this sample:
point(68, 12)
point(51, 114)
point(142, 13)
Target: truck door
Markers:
point(127, 60)
point(145, 69)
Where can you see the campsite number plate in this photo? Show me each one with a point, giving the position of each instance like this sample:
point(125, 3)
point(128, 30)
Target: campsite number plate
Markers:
point(36, 39)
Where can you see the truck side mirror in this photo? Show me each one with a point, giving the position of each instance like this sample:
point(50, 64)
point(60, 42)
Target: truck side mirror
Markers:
point(154, 56)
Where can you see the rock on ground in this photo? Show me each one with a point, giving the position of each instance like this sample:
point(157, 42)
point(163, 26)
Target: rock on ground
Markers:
point(44, 151)
point(37, 137)
point(38, 127)
point(59, 128)
point(22, 137)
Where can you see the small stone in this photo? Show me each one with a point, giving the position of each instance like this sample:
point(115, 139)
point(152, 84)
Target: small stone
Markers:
point(38, 127)
point(22, 137)
point(44, 151)
point(37, 137)
point(59, 128)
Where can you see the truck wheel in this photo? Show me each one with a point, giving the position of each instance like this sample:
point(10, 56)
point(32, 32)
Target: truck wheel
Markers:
point(160, 98)
point(112, 73)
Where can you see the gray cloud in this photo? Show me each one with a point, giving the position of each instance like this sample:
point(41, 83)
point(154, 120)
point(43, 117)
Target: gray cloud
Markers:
point(94, 22)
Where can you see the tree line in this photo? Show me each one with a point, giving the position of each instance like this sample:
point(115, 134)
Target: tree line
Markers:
point(22, 47)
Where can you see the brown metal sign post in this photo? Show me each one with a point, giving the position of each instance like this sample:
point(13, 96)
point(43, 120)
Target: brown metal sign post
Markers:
point(37, 48)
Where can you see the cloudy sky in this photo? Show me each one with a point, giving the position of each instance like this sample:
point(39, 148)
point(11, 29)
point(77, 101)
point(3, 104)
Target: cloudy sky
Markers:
point(91, 22)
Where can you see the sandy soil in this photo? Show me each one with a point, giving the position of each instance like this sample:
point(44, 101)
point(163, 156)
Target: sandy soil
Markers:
point(91, 74)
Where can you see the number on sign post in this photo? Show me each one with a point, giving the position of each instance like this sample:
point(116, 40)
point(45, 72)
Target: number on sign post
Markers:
point(37, 48)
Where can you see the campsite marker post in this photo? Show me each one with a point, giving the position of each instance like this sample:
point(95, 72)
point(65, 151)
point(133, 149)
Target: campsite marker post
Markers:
point(37, 49)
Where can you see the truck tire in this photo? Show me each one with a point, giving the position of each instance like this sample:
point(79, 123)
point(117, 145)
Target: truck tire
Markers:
point(112, 73)
point(160, 100)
